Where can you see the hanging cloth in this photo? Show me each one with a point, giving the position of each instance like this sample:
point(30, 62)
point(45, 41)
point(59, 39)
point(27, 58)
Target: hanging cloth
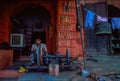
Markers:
point(103, 19)
point(115, 23)
point(89, 19)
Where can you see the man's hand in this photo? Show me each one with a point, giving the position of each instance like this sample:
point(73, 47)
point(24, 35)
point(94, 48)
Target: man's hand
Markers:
point(34, 51)
point(41, 53)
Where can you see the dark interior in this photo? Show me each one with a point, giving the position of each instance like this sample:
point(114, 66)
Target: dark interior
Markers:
point(31, 21)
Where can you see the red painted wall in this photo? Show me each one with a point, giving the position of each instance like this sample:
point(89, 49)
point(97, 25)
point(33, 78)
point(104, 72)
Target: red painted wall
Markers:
point(6, 58)
point(67, 36)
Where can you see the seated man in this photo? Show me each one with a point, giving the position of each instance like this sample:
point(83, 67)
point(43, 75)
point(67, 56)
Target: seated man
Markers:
point(37, 51)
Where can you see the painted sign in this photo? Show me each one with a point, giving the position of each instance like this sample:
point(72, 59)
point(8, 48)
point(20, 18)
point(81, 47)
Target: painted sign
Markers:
point(65, 35)
point(64, 42)
point(65, 19)
point(65, 27)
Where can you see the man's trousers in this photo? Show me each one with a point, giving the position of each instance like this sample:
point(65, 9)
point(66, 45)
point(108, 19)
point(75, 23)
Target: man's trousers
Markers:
point(35, 58)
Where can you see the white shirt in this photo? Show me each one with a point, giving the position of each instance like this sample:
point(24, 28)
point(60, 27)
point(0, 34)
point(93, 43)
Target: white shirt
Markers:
point(37, 47)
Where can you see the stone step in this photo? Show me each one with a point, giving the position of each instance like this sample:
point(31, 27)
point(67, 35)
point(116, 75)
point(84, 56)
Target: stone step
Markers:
point(10, 74)
point(24, 58)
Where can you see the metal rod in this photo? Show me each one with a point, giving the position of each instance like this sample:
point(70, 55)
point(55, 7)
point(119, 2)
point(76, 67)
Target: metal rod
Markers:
point(80, 24)
point(78, 14)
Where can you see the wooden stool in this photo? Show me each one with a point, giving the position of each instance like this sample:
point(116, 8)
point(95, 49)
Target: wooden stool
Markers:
point(54, 69)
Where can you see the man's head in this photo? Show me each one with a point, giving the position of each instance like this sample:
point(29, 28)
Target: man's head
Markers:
point(38, 41)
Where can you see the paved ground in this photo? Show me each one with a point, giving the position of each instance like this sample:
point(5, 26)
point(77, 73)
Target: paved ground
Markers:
point(105, 65)
point(45, 77)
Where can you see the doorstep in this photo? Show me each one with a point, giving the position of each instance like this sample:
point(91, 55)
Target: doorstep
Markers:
point(10, 74)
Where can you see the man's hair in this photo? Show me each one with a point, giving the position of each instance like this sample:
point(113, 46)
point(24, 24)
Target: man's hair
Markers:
point(38, 38)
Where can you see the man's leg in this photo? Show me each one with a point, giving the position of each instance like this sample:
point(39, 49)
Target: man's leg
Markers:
point(41, 59)
point(51, 69)
point(56, 69)
point(32, 58)
point(38, 59)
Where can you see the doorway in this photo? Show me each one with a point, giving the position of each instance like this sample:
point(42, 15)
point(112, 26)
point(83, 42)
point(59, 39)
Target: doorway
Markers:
point(32, 21)
point(41, 35)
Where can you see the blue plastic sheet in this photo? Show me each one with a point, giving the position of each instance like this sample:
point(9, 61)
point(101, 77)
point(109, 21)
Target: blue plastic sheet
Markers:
point(89, 19)
point(115, 23)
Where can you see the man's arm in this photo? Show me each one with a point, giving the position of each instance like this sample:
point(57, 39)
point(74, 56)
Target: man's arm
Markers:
point(33, 48)
point(45, 47)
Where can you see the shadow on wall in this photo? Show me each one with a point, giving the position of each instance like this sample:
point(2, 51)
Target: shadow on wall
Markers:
point(113, 11)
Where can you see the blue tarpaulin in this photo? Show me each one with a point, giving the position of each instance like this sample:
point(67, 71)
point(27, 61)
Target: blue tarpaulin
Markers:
point(89, 19)
point(115, 23)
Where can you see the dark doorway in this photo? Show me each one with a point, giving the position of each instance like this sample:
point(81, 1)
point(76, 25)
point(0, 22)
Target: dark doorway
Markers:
point(41, 35)
point(32, 21)
point(95, 45)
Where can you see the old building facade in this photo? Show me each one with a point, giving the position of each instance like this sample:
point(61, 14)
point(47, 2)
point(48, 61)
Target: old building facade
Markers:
point(59, 27)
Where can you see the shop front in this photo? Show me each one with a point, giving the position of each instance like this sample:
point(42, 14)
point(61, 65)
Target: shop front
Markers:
point(52, 20)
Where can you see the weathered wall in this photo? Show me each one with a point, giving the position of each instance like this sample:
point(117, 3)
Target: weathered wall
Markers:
point(67, 36)
point(6, 58)
point(115, 3)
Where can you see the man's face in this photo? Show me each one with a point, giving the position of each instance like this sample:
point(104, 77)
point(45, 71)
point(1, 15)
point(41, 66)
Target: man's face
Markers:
point(38, 41)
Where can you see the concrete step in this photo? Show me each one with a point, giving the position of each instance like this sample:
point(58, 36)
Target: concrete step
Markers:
point(10, 74)
point(22, 58)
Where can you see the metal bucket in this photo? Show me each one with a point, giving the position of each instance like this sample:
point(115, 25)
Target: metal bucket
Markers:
point(85, 73)
point(103, 28)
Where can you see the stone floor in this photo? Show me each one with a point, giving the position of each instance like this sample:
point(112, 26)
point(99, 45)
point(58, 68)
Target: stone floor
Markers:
point(104, 65)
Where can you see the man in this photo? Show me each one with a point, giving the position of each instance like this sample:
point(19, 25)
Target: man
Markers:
point(37, 51)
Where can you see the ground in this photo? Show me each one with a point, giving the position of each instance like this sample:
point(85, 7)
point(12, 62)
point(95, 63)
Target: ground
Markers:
point(104, 65)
